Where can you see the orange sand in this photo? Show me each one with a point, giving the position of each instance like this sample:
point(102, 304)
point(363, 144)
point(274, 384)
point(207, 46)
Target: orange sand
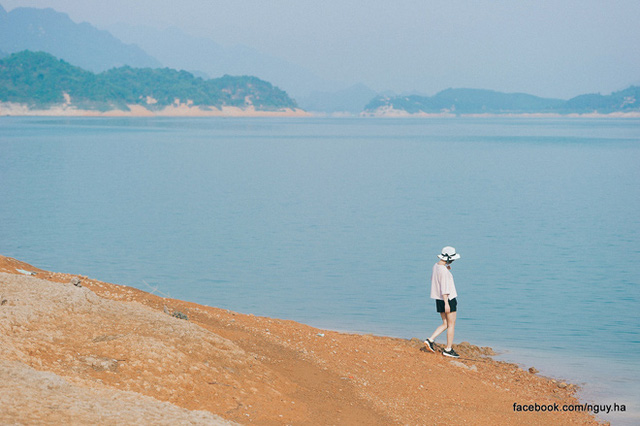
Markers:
point(121, 344)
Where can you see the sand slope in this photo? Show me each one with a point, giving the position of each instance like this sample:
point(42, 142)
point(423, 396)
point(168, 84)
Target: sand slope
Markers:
point(100, 353)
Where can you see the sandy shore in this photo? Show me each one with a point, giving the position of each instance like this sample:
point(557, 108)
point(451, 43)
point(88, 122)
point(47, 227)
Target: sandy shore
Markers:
point(79, 351)
point(176, 110)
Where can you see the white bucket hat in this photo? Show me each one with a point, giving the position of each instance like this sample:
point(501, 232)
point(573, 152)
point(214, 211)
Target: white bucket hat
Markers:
point(449, 253)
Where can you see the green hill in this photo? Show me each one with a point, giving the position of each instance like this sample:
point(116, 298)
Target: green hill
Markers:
point(622, 101)
point(474, 101)
point(40, 80)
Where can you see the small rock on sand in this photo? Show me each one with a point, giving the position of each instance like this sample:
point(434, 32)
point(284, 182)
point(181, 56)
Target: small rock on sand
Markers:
point(460, 364)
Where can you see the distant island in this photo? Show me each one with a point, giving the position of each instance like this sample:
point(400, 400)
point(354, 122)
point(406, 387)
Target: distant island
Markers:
point(452, 102)
point(37, 83)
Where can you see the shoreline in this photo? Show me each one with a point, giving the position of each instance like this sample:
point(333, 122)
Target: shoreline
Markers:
point(246, 368)
point(395, 113)
point(600, 388)
point(8, 109)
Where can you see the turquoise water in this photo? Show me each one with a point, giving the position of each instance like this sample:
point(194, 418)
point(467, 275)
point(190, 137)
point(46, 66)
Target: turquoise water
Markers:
point(336, 223)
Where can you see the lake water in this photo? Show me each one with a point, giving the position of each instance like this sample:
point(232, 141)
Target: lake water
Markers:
point(337, 223)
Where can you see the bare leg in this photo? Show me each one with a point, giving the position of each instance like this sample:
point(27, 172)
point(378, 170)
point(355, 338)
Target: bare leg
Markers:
point(440, 328)
point(451, 322)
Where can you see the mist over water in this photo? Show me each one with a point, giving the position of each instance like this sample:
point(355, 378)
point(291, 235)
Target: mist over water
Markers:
point(337, 223)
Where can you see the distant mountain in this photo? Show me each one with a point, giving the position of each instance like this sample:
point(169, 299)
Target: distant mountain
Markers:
point(351, 100)
point(475, 101)
point(40, 80)
point(95, 50)
point(79, 44)
point(466, 101)
point(177, 49)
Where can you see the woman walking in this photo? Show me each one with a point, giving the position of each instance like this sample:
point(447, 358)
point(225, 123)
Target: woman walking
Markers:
point(443, 289)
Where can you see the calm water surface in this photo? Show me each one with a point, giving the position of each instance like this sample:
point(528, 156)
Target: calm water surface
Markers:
point(336, 223)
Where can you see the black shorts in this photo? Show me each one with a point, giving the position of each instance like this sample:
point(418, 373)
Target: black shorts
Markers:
point(453, 304)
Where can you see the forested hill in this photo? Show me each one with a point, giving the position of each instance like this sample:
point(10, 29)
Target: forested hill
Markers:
point(40, 80)
point(474, 101)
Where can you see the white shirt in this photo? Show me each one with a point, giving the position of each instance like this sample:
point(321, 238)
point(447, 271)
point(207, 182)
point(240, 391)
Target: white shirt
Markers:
point(442, 283)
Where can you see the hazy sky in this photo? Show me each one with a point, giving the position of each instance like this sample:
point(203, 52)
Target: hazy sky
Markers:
point(558, 48)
